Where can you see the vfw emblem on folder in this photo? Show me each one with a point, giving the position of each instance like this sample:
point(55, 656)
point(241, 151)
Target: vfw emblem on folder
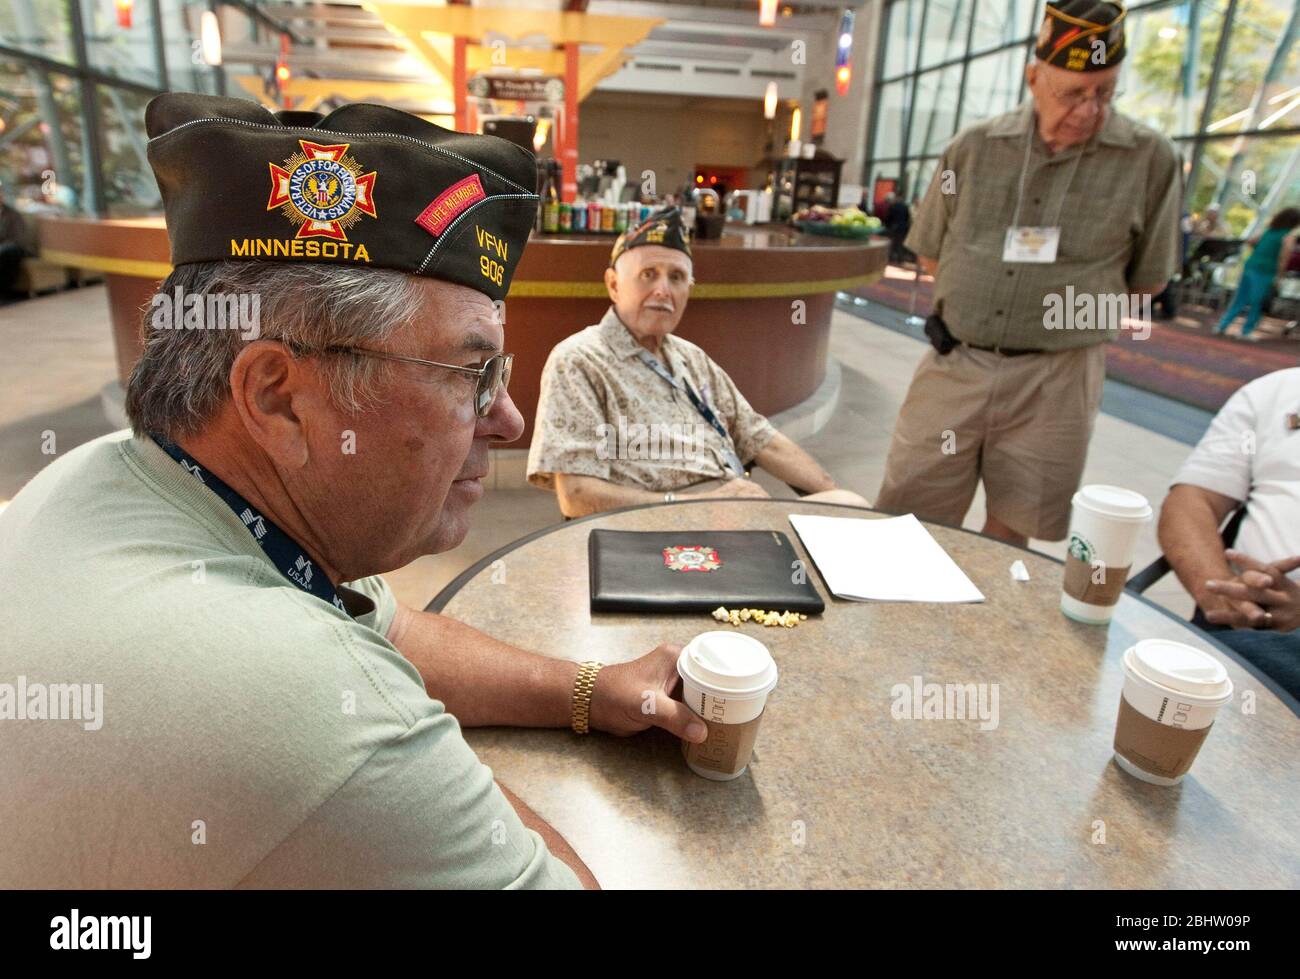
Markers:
point(693, 557)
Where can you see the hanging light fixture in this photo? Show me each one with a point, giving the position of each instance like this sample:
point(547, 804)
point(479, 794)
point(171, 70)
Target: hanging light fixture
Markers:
point(796, 122)
point(282, 73)
point(210, 38)
point(766, 13)
point(844, 54)
point(123, 8)
point(769, 101)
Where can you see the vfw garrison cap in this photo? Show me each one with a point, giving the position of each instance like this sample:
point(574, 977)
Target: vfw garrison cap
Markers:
point(664, 227)
point(1082, 35)
point(365, 185)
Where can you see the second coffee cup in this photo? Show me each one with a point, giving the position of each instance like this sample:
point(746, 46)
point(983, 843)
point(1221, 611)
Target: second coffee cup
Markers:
point(1104, 526)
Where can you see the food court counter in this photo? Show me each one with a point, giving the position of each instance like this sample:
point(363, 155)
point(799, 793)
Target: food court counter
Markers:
point(761, 305)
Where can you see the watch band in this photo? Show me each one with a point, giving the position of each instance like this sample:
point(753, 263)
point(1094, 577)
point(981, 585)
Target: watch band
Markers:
point(583, 687)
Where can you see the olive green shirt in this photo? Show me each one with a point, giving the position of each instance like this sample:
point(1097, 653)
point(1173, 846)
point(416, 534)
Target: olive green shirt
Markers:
point(247, 733)
point(603, 412)
point(1119, 220)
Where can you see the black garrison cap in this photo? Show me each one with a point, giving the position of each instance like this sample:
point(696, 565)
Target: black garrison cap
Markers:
point(366, 185)
point(664, 227)
point(1082, 35)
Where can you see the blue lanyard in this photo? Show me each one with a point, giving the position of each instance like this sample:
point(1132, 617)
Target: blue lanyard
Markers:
point(285, 554)
point(728, 447)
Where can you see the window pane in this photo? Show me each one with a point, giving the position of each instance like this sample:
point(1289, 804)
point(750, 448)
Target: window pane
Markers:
point(945, 31)
point(127, 52)
point(894, 99)
point(1258, 80)
point(1167, 70)
point(129, 185)
point(1249, 179)
point(1000, 22)
point(901, 36)
point(39, 26)
point(41, 162)
point(935, 115)
point(993, 85)
point(186, 69)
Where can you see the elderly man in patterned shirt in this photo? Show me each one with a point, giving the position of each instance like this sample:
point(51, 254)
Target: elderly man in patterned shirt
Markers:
point(631, 414)
point(1041, 226)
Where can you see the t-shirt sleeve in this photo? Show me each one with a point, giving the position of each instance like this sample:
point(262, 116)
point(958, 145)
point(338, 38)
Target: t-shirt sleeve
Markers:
point(569, 434)
point(421, 812)
point(1221, 461)
point(748, 429)
point(1156, 251)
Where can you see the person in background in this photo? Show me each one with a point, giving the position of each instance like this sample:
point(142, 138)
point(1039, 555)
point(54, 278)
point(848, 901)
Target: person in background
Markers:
point(1248, 593)
point(1062, 195)
point(1209, 224)
point(1268, 259)
point(16, 244)
point(630, 413)
point(897, 221)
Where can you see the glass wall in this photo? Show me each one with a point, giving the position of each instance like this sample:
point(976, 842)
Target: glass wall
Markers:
point(75, 77)
point(1221, 78)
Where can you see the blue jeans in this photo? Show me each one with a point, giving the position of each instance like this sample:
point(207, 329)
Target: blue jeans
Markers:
point(1249, 299)
point(1275, 654)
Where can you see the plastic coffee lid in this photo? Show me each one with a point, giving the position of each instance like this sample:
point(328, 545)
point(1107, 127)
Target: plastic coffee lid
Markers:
point(1180, 668)
point(1114, 501)
point(729, 663)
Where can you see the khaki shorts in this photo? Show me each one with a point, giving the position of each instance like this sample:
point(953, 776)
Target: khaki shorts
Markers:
point(1022, 424)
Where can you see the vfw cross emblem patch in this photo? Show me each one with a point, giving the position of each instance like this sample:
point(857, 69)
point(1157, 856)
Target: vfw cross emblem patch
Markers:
point(692, 558)
point(322, 190)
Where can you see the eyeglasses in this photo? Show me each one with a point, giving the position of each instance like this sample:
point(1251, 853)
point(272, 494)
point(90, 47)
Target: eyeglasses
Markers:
point(1076, 98)
point(493, 376)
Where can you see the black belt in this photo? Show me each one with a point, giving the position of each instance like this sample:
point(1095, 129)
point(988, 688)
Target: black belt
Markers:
point(1004, 351)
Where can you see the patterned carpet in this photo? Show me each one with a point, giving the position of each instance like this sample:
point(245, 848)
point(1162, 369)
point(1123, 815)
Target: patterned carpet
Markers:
point(1181, 359)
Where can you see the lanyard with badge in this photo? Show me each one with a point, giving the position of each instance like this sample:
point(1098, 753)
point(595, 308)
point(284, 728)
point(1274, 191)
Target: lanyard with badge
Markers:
point(728, 448)
point(291, 560)
point(1036, 244)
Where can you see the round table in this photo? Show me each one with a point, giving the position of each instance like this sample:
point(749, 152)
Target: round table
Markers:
point(842, 794)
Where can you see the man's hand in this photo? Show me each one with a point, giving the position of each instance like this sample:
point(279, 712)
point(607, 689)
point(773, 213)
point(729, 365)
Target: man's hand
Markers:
point(737, 487)
point(630, 697)
point(1260, 597)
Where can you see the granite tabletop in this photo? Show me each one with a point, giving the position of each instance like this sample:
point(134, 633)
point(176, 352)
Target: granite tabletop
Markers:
point(844, 789)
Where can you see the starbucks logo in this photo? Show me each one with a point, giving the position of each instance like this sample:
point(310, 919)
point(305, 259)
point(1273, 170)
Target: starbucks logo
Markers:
point(1080, 549)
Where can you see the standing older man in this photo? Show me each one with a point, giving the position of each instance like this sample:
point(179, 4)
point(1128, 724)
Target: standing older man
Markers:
point(1039, 226)
point(630, 413)
point(258, 711)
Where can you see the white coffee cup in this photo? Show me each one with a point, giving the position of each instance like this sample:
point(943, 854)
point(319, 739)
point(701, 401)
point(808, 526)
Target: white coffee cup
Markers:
point(1172, 693)
point(726, 677)
point(1104, 525)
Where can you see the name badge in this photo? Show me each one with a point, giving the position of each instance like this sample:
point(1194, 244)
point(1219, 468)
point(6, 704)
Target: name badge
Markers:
point(1031, 245)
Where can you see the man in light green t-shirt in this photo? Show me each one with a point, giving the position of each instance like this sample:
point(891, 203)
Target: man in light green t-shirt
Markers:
point(203, 682)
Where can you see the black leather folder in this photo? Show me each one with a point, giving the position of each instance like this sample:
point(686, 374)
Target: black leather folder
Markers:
point(696, 571)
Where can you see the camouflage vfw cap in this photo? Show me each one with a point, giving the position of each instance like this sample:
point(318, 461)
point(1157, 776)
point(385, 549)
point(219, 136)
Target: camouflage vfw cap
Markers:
point(664, 227)
point(365, 185)
point(1082, 35)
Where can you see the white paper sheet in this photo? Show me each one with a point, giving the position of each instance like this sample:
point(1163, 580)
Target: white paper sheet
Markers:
point(890, 559)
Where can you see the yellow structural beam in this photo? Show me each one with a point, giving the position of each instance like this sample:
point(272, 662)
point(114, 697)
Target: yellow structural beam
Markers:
point(307, 93)
point(430, 31)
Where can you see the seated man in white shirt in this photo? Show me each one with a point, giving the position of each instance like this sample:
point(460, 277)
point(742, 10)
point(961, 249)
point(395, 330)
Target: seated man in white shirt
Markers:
point(1247, 594)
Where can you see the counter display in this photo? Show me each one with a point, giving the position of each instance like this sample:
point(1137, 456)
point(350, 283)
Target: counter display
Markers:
point(761, 305)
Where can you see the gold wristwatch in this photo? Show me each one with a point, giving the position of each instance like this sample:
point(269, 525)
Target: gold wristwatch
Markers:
point(583, 687)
